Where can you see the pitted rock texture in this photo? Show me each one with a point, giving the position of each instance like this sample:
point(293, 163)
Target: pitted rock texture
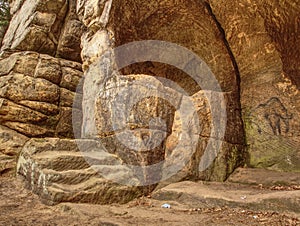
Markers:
point(251, 48)
point(37, 90)
point(264, 39)
point(36, 26)
point(49, 27)
point(36, 96)
point(11, 144)
point(68, 46)
point(58, 171)
point(37, 85)
point(163, 22)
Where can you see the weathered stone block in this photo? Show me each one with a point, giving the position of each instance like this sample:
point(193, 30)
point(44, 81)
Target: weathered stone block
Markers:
point(58, 171)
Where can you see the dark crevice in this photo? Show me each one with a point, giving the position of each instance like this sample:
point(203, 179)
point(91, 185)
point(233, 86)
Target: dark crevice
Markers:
point(67, 17)
point(6, 171)
point(63, 22)
point(236, 69)
point(7, 127)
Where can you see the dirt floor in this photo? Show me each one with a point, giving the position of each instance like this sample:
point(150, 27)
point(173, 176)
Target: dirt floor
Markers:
point(18, 206)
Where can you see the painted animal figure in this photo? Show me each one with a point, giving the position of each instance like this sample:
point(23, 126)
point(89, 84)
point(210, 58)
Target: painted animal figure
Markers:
point(275, 114)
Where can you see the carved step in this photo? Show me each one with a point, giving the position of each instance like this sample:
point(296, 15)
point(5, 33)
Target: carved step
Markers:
point(59, 172)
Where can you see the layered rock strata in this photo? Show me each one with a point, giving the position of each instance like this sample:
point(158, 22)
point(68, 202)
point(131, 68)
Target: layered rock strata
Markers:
point(98, 113)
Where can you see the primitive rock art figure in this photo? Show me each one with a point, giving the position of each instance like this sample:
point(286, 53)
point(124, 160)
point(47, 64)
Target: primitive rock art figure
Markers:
point(275, 114)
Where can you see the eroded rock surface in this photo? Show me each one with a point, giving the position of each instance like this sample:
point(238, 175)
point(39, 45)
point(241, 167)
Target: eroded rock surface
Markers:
point(102, 70)
point(37, 88)
point(264, 39)
point(50, 27)
point(145, 121)
point(36, 96)
point(58, 171)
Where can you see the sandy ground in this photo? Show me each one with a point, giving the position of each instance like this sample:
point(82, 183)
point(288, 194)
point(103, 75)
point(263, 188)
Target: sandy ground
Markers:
point(18, 206)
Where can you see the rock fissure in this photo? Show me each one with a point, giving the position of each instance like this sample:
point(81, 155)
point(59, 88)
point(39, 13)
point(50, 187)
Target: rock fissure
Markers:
point(243, 158)
point(243, 45)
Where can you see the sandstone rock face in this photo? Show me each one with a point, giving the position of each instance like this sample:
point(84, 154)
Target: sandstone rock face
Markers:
point(57, 170)
point(68, 46)
point(35, 26)
point(49, 27)
point(10, 145)
point(264, 38)
point(217, 87)
point(37, 89)
point(36, 97)
point(100, 59)
point(37, 94)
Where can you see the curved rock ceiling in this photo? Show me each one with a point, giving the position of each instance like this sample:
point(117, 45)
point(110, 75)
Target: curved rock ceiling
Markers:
point(252, 47)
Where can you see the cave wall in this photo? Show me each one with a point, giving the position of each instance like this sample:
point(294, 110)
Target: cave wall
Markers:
point(264, 39)
point(250, 47)
point(138, 20)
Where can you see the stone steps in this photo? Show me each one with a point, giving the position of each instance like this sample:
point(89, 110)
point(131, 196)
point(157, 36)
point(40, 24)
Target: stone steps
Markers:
point(58, 172)
point(59, 161)
point(70, 177)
